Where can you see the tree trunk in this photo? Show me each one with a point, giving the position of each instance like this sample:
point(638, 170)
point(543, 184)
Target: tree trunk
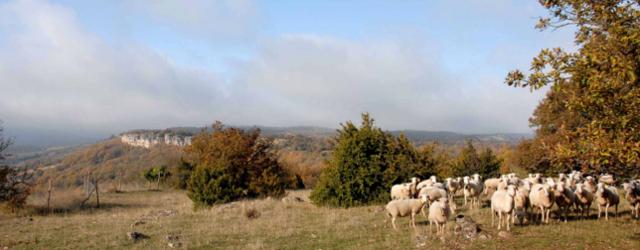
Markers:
point(97, 193)
point(119, 188)
point(49, 197)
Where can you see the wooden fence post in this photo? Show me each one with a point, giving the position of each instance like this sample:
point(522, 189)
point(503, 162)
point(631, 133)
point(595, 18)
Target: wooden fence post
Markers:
point(95, 183)
point(49, 197)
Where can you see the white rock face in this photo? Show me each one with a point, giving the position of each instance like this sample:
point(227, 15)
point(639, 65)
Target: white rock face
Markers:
point(148, 139)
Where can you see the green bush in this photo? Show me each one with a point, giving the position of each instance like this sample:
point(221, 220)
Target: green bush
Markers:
point(366, 162)
point(469, 162)
point(231, 164)
point(182, 174)
point(156, 174)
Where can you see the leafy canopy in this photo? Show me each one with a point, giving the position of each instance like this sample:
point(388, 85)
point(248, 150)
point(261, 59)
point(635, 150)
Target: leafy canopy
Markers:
point(590, 118)
point(366, 162)
point(231, 164)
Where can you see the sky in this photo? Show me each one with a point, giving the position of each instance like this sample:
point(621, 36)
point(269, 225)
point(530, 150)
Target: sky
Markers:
point(107, 66)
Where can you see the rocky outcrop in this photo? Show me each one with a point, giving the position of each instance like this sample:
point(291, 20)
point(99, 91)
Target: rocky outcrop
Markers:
point(147, 139)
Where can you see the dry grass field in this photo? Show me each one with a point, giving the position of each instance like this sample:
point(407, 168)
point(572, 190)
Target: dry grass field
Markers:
point(168, 217)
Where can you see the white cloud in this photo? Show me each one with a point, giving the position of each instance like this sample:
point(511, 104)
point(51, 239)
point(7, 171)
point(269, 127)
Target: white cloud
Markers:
point(203, 18)
point(324, 81)
point(55, 74)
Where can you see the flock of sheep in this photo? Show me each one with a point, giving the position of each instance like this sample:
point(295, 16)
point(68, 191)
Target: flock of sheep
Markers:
point(511, 198)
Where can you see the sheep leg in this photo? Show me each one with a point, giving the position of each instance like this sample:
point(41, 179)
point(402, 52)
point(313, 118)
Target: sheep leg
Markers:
point(587, 210)
point(492, 216)
point(413, 220)
point(548, 212)
point(393, 222)
point(599, 210)
point(606, 212)
point(507, 221)
point(541, 214)
point(465, 199)
point(513, 216)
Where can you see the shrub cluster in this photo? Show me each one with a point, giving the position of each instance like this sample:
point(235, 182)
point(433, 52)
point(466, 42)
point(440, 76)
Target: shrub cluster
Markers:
point(230, 164)
point(367, 161)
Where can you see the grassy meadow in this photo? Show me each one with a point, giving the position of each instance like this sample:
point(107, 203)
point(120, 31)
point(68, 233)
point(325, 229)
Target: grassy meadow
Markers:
point(168, 216)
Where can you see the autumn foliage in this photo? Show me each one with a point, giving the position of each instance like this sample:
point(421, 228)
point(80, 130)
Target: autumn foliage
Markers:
point(231, 164)
point(590, 118)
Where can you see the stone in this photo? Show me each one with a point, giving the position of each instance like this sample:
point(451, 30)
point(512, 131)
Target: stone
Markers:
point(483, 237)
point(172, 237)
point(504, 234)
point(292, 199)
point(136, 236)
point(137, 223)
point(466, 227)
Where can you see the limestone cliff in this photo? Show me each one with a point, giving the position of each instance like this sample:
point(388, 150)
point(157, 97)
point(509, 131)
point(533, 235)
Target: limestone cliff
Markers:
point(148, 138)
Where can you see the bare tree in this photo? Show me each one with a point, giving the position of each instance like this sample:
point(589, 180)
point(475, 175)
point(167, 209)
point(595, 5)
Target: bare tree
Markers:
point(4, 142)
point(49, 197)
point(90, 187)
point(15, 183)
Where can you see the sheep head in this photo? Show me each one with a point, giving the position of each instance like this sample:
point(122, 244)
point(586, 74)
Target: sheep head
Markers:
point(424, 198)
point(579, 189)
point(600, 189)
point(511, 190)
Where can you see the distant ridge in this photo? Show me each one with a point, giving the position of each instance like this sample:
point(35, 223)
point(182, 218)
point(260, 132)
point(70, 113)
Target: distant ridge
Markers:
point(314, 131)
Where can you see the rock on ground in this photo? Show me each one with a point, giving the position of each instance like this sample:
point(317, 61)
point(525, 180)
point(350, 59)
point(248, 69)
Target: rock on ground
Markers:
point(136, 236)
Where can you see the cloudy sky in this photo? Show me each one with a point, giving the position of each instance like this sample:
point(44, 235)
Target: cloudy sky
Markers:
point(107, 66)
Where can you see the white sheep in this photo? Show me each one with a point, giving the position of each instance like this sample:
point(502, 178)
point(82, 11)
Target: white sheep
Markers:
point(452, 186)
point(404, 190)
point(562, 177)
point(472, 191)
point(632, 194)
point(439, 213)
point(570, 182)
point(590, 184)
point(605, 197)
point(514, 180)
point(433, 193)
point(542, 197)
point(504, 182)
point(584, 198)
point(535, 178)
point(521, 201)
point(575, 176)
point(491, 184)
point(477, 178)
point(402, 208)
point(565, 199)
point(502, 204)
point(606, 179)
point(427, 183)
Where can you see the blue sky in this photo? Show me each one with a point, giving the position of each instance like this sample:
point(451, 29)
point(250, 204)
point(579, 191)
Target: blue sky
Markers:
point(108, 66)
